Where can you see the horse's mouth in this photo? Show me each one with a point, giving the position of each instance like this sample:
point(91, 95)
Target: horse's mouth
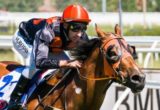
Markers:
point(135, 91)
point(136, 88)
point(135, 82)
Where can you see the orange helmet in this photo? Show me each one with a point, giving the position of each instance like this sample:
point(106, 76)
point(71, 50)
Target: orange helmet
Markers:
point(75, 13)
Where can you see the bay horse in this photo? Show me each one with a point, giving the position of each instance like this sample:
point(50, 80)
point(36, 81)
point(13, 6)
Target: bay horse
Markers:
point(106, 59)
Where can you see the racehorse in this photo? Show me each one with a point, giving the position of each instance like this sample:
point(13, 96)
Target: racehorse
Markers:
point(106, 59)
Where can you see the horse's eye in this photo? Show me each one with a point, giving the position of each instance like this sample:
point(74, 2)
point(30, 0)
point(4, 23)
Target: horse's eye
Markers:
point(113, 54)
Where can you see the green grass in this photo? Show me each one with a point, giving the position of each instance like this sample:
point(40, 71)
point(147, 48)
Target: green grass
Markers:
point(138, 30)
point(91, 29)
point(135, 30)
point(6, 55)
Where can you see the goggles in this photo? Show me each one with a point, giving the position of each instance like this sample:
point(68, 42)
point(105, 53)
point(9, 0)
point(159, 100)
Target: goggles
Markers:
point(75, 27)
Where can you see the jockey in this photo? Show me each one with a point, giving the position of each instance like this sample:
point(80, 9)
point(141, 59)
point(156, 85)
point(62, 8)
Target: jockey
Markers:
point(42, 41)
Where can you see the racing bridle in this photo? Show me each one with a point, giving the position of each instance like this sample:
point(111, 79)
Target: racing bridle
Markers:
point(106, 59)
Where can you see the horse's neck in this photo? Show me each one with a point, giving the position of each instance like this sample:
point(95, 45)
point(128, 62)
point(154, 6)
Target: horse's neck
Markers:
point(96, 65)
point(90, 64)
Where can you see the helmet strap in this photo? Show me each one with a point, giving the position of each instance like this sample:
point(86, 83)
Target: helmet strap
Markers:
point(65, 31)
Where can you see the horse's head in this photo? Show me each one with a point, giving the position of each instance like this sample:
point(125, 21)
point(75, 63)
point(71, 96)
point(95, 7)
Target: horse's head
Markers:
point(118, 59)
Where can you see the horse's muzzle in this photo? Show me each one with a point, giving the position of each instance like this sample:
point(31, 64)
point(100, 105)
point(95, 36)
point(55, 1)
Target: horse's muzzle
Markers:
point(136, 82)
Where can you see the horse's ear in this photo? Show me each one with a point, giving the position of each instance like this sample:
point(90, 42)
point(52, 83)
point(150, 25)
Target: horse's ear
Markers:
point(117, 30)
point(100, 33)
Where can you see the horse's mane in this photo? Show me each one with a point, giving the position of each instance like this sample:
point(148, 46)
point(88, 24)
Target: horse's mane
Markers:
point(84, 48)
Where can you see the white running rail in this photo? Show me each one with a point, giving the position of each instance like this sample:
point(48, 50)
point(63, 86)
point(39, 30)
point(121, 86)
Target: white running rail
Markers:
point(122, 97)
point(146, 61)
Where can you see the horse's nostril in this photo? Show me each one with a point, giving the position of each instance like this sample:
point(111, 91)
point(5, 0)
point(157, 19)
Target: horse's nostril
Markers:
point(136, 78)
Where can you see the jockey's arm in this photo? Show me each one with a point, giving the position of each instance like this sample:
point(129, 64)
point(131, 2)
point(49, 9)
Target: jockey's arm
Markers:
point(41, 51)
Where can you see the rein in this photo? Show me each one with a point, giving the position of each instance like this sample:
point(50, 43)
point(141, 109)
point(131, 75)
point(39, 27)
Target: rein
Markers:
point(52, 89)
point(95, 79)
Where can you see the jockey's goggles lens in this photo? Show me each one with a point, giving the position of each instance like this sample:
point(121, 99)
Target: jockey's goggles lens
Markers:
point(75, 27)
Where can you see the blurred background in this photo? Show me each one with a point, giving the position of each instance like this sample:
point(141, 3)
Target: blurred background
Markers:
point(138, 19)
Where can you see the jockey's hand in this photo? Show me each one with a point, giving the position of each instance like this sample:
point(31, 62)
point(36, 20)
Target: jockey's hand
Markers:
point(70, 64)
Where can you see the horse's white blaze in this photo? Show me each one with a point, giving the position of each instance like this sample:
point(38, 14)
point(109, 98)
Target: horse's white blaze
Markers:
point(78, 90)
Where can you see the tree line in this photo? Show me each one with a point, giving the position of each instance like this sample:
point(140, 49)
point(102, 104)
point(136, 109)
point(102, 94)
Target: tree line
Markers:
point(91, 5)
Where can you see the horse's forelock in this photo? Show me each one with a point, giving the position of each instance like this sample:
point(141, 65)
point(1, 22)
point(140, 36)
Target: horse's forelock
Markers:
point(84, 48)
